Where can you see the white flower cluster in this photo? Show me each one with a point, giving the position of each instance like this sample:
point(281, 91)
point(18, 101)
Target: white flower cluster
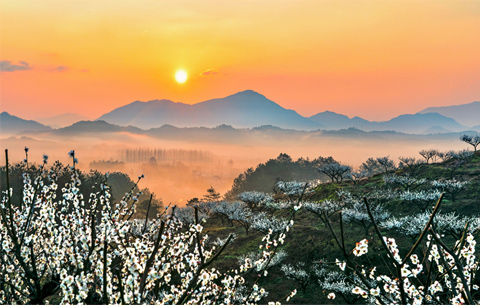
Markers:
point(449, 223)
point(358, 213)
point(404, 181)
point(452, 271)
point(86, 250)
point(255, 199)
point(294, 188)
point(449, 185)
point(431, 195)
point(327, 206)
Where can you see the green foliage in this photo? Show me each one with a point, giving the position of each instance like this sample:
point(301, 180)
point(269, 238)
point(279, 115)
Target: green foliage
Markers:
point(282, 168)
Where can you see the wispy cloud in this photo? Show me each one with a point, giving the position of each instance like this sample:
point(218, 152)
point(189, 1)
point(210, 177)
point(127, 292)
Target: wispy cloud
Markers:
point(208, 72)
point(60, 69)
point(7, 66)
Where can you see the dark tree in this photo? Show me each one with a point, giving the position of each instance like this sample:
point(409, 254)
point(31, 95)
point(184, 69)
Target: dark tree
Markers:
point(472, 140)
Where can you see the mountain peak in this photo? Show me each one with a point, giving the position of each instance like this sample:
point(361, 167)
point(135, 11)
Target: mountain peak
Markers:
point(244, 109)
point(246, 95)
point(249, 93)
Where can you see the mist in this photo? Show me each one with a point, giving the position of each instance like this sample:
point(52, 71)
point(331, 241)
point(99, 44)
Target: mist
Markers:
point(181, 168)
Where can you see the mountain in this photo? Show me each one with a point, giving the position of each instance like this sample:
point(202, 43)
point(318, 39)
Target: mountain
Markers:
point(244, 109)
point(436, 129)
point(94, 127)
point(406, 123)
point(417, 123)
point(466, 114)
point(10, 124)
point(332, 120)
point(62, 120)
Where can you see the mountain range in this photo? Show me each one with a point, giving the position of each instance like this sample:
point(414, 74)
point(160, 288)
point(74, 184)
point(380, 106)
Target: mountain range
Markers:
point(406, 123)
point(246, 109)
point(10, 124)
point(466, 114)
point(249, 109)
point(62, 120)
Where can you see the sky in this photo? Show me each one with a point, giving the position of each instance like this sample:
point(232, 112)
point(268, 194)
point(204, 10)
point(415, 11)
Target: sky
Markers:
point(373, 59)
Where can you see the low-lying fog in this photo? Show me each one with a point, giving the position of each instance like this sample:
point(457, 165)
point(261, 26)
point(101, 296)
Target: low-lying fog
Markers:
point(179, 170)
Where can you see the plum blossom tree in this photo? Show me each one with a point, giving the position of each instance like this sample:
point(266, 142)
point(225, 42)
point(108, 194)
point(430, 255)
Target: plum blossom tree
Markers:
point(255, 199)
point(303, 275)
point(87, 250)
point(446, 155)
point(405, 181)
point(449, 223)
point(451, 187)
point(335, 171)
point(410, 164)
point(356, 176)
point(371, 166)
point(472, 140)
point(422, 199)
point(438, 273)
point(386, 163)
point(429, 154)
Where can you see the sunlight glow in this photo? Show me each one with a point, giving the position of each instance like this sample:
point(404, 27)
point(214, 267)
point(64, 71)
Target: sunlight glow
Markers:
point(181, 76)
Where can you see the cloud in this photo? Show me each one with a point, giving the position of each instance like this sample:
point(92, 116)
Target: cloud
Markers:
point(208, 72)
point(6, 66)
point(84, 70)
point(60, 69)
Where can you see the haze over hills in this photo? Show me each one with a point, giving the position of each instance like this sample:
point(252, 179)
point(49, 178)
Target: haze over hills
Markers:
point(10, 124)
point(62, 120)
point(406, 123)
point(244, 109)
point(241, 136)
point(94, 127)
point(332, 120)
point(249, 109)
point(465, 114)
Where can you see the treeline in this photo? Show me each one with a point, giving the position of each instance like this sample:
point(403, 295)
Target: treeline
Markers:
point(283, 168)
point(144, 155)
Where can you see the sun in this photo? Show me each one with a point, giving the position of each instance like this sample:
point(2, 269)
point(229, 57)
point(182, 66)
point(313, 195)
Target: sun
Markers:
point(181, 76)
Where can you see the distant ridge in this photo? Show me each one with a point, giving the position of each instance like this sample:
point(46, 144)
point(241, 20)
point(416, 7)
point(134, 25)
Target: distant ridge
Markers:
point(10, 124)
point(406, 123)
point(244, 109)
point(249, 109)
point(332, 120)
point(62, 120)
point(94, 127)
point(466, 114)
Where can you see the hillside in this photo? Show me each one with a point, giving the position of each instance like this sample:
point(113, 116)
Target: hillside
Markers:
point(312, 244)
point(311, 241)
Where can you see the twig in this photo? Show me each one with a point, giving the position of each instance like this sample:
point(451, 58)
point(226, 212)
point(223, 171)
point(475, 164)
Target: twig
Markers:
point(146, 216)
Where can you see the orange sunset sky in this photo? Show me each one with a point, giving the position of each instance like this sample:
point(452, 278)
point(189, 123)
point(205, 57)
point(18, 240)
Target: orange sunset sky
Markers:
point(374, 59)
